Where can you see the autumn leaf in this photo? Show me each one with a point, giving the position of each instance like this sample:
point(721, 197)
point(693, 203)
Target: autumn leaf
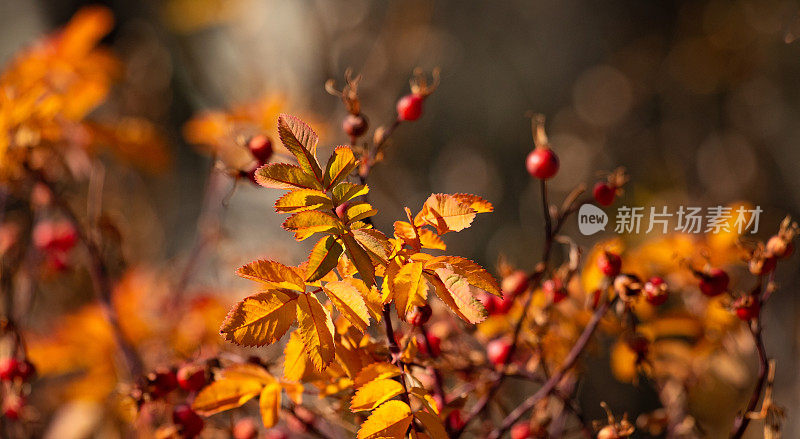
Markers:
point(375, 393)
point(323, 258)
point(346, 191)
point(295, 358)
point(273, 275)
point(349, 302)
point(432, 424)
point(423, 396)
point(375, 243)
point(456, 292)
point(376, 371)
point(285, 176)
point(340, 165)
point(359, 211)
point(246, 371)
point(450, 213)
point(390, 420)
point(305, 224)
point(476, 275)
point(225, 394)
point(409, 288)
point(301, 141)
point(260, 319)
point(371, 296)
point(360, 259)
point(303, 199)
point(387, 288)
point(316, 328)
point(269, 404)
point(475, 202)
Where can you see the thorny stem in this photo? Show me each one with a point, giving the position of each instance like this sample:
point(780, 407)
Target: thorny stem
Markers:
point(550, 385)
point(99, 274)
point(741, 422)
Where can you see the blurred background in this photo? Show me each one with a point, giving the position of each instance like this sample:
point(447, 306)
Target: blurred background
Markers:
point(699, 100)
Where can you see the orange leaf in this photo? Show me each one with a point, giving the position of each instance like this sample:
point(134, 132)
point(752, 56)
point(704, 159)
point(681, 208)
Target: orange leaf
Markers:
point(390, 420)
point(375, 393)
point(316, 328)
point(285, 176)
point(273, 274)
point(260, 319)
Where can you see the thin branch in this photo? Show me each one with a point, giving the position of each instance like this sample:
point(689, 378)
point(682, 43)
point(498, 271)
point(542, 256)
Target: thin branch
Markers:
point(550, 385)
point(742, 421)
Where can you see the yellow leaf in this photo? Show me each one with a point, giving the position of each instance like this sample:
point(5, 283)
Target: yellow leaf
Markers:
point(260, 319)
point(425, 398)
point(376, 371)
point(390, 420)
point(446, 213)
point(301, 141)
point(375, 243)
point(476, 275)
point(340, 165)
point(475, 202)
point(359, 211)
point(269, 404)
point(294, 391)
point(375, 393)
point(295, 358)
point(370, 295)
point(429, 239)
point(246, 371)
point(316, 329)
point(360, 259)
point(300, 200)
point(285, 176)
point(225, 394)
point(273, 274)
point(456, 292)
point(387, 293)
point(323, 257)
point(346, 191)
point(349, 302)
point(305, 224)
point(409, 288)
point(432, 424)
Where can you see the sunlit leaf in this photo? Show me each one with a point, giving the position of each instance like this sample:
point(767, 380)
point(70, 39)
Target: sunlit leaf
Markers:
point(360, 258)
point(272, 274)
point(301, 141)
point(323, 258)
point(260, 319)
point(346, 191)
point(376, 371)
point(316, 328)
point(432, 424)
point(340, 165)
point(349, 302)
point(456, 292)
point(285, 176)
point(375, 393)
point(295, 358)
point(476, 275)
point(390, 420)
point(303, 199)
point(226, 394)
point(305, 224)
point(409, 288)
point(269, 404)
point(375, 243)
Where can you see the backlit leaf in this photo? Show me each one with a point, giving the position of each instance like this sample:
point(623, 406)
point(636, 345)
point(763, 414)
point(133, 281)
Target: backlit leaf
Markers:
point(371, 296)
point(359, 211)
point(376, 371)
point(269, 404)
point(450, 213)
point(323, 258)
point(340, 165)
point(260, 319)
point(305, 224)
point(301, 141)
point(349, 302)
point(375, 393)
point(285, 176)
point(409, 288)
point(346, 191)
point(456, 292)
point(390, 420)
point(225, 394)
point(316, 328)
point(272, 274)
point(360, 259)
point(375, 243)
point(432, 424)
point(476, 275)
point(303, 199)
point(295, 358)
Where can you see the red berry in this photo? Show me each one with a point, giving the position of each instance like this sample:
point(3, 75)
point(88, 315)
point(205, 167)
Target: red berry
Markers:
point(8, 368)
point(489, 302)
point(521, 430)
point(261, 148)
point(515, 283)
point(189, 422)
point(747, 308)
point(191, 377)
point(162, 382)
point(714, 283)
point(604, 193)
point(497, 351)
point(245, 428)
point(341, 210)
point(409, 107)
point(609, 263)
point(554, 290)
point(542, 163)
point(503, 305)
point(655, 291)
point(54, 236)
point(434, 349)
point(419, 315)
point(12, 406)
point(455, 420)
point(355, 125)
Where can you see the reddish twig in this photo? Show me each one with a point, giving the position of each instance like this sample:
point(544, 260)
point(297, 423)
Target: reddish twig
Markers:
point(742, 421)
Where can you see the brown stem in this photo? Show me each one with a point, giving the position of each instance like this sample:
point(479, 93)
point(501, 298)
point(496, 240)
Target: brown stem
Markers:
point(550, 385)
point(394, 350)
point(99, 274)
point(741, 422)
point(438, 386)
